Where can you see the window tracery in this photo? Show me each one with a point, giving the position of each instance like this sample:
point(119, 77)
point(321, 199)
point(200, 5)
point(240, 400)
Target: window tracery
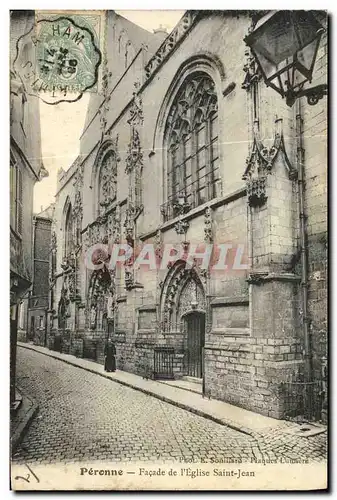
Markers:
point(191, 137)
point(107, 181)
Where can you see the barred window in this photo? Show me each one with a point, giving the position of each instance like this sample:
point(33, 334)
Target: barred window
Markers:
point(192, 143)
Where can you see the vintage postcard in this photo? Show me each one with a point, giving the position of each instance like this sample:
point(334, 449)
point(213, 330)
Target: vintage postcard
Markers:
point(168, 250)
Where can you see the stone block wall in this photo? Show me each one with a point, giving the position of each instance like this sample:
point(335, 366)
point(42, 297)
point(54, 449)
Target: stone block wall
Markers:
point(247, 372)
point(76, 348)
point(315, 144)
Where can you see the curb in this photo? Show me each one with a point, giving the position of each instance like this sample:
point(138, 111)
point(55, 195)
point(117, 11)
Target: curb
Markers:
point(149, 392)
point(23, 426)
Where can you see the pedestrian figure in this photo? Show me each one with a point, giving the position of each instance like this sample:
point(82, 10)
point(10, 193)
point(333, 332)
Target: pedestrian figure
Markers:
point(110, 357)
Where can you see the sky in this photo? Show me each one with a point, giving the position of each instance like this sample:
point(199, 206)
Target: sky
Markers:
point(62, 124)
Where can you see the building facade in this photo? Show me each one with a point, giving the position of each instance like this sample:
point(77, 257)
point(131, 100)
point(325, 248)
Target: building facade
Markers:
point(26, 169)
point(39, 294)
point(186, 146)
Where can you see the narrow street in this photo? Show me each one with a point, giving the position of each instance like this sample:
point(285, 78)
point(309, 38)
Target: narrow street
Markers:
point(83, 416)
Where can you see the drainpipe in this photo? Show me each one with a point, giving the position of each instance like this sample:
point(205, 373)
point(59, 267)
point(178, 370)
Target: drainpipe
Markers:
point(304, 256)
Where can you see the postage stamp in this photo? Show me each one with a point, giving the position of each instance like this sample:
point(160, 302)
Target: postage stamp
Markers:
point(65, 55)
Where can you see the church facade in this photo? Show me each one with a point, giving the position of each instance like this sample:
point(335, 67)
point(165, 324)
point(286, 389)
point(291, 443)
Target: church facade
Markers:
point(186, 146)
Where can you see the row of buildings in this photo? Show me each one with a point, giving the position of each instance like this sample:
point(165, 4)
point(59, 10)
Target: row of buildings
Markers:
point(26, 168)
point(186, 145)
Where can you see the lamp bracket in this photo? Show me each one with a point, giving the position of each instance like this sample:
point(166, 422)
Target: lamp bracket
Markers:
point(313, 94)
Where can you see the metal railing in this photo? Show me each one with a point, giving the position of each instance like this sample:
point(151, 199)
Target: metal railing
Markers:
point(303, 401)
point(191, 196)
point(163, 363)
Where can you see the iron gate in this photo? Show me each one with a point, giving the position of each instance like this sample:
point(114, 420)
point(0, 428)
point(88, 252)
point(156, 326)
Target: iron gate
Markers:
point(163, 363)
point(195, 326)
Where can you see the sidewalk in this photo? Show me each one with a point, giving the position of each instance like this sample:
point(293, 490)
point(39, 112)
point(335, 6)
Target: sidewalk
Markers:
point(223, 413)
point(21, 418)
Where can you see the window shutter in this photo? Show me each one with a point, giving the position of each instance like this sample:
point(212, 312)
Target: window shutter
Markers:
point(13, 196)
point(19, 196)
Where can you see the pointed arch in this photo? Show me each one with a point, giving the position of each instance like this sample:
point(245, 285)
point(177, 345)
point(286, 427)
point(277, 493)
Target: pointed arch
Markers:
point(67, 227)
point(182, 291)
point(104, 176)
point(205, 62)
point(190, 110)
point(192, 164)
point(99, 289)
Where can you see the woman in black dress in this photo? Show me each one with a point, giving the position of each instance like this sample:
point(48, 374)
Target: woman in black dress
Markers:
point(110, 357)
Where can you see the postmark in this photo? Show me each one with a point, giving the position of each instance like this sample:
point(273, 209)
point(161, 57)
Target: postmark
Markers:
point(64, 61)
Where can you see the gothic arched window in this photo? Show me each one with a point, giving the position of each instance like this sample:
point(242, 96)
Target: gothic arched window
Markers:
point(68, 241)
point(191, 137)
point(107, 180)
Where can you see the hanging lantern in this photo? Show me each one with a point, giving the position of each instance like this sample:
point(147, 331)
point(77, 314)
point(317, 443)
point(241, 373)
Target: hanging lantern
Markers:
point(285, 45)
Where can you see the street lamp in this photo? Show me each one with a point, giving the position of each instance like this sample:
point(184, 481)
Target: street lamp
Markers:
point(285, 45)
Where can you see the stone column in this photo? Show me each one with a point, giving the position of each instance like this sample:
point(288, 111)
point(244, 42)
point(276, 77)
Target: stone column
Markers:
point(274, 282)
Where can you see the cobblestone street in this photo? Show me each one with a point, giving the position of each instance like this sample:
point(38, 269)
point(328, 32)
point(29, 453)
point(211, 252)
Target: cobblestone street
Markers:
point(83, 416)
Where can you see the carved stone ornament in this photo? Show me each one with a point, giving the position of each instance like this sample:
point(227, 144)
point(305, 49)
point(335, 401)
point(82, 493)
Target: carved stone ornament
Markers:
point(116, 226)
point(256, 278)
point(129, 227)
point(256, 191)
point(158, 245)
point(181, 226)
point(171, 41)
point(134, 157)
point(107, 179)
point(136, 110)
point(104, 109)
point(262, 159)
point(78, 208)
point(78, 182)
point(132, 213)
point(251, 69)
point(180, 207)
point(129, 280)
point(208, 226)
point(68, 264)
point(53, 244)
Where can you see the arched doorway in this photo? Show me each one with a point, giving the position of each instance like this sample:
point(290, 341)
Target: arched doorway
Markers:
point(100, 294)
point(195, 342)
point(183, 316)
